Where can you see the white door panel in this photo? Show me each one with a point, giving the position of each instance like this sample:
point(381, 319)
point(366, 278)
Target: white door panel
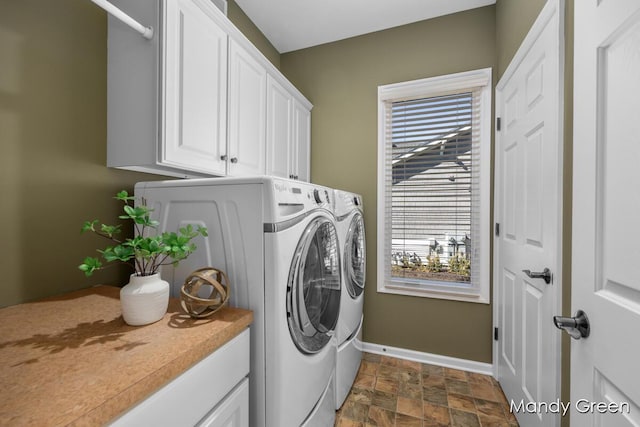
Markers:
point(606, 202)
point(301, 141)
point(247, 113)
point(528, 209)
point(196, 89)
point(279, 136)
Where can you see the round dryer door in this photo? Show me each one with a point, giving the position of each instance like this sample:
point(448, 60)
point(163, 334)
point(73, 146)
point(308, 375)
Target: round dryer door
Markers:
point(355, 257)
point(313, 291)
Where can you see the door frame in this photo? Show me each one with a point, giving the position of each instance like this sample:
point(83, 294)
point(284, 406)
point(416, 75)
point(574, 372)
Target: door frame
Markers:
point(549, 11)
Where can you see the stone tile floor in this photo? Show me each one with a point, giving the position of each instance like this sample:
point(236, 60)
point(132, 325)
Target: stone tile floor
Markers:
point(395, 392)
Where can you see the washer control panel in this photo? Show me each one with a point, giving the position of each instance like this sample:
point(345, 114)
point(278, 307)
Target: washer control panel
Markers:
point(321, 196)
point(297, 196)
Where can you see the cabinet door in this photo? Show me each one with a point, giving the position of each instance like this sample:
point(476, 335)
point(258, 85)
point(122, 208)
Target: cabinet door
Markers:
point(233, 411)
point(195, 92)
point(247, 113)
point(278, 129)
point(188, 399)
point(300, 145)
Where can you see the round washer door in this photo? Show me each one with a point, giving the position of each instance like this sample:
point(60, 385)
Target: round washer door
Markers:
point(355, 256)
point(313, 291)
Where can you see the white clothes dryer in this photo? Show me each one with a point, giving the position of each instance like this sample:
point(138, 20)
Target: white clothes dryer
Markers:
point(348, 210)
point(276, 240)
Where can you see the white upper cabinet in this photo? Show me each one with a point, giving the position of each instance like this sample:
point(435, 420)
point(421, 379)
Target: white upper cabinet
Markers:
point(278, 129)
point(247, 113)
point(199, 99)
point(195, 91)
point(301, 146)
point(288, 134)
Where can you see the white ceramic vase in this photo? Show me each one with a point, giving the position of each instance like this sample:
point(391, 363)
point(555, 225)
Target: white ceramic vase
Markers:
point(144, 299)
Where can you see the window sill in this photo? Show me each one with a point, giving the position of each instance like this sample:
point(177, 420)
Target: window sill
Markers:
point(448, 292)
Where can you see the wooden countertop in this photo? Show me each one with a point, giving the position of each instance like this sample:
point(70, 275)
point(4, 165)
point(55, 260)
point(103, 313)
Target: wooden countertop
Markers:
point(71, 360)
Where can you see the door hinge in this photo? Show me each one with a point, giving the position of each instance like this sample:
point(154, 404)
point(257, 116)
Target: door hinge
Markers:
point(495, 334)
point(497, 228)
point(498, 123)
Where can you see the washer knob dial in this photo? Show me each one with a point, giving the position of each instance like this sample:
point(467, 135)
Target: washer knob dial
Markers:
point(316, 196)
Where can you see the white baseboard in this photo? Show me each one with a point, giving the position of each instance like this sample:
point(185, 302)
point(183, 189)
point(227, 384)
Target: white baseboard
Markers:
point(432, 359)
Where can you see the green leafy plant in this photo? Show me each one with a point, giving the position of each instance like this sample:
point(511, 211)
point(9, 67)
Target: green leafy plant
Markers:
point(148, 251)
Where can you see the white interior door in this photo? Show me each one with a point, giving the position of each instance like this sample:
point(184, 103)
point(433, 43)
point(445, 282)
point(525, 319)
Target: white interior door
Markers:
point(606, 208)
point(528, 190)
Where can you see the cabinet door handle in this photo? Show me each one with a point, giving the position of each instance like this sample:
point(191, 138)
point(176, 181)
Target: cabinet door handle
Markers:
point(223, 157)
point(234, 160)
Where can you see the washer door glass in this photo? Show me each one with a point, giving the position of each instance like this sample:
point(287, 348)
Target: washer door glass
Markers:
point(355, 256)
point(313, 291)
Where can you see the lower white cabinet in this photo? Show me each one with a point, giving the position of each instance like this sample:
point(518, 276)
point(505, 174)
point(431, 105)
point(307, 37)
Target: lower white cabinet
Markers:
point(212, 393)
point(233, 411)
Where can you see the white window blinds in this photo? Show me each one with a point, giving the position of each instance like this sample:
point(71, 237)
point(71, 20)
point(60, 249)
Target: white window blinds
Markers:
point(432, 187)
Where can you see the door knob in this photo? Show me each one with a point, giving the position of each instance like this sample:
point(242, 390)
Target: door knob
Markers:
point(223, 157)
point(544, 274)
point(577, 326)
point(234, 160)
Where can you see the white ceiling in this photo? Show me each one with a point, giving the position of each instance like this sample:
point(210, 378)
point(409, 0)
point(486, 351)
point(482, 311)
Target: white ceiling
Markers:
point(297, 24)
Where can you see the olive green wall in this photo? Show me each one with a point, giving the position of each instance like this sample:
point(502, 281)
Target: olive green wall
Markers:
point(567, 199)
point(341, 80)
point(248, 28)
point(513, 20)
point(53, 65)
point(53, 130)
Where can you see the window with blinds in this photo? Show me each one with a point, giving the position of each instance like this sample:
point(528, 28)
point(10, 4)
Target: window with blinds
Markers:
point(430, 187)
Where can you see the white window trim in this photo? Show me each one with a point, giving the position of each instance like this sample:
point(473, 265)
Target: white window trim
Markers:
point(430, 87)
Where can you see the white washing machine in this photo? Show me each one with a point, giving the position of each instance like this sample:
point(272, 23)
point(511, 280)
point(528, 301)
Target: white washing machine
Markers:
point(276, 239)
point(348, 210)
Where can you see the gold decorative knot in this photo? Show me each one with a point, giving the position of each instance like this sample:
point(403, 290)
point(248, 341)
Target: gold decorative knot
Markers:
point(204, 292)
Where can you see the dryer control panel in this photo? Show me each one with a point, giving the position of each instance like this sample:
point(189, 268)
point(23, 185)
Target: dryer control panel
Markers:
point(346, 202)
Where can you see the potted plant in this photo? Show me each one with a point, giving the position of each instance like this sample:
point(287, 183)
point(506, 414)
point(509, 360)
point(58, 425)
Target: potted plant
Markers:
point(145, 298)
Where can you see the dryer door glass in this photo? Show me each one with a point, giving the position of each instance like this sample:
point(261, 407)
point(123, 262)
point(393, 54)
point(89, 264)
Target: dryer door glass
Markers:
point(313, 291)
point(355, 257)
